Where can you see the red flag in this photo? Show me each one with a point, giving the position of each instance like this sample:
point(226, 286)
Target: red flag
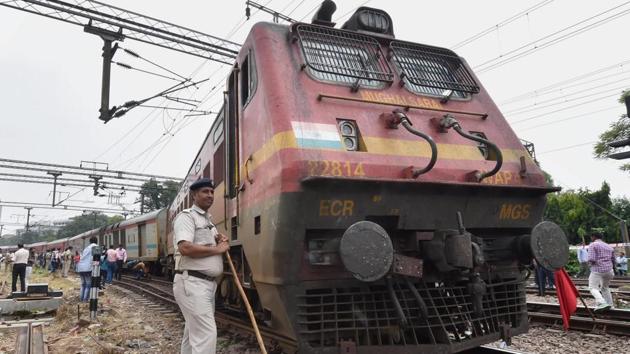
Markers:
point(567, 296)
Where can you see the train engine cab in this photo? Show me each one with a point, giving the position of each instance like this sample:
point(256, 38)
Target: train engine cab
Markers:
point(374, 195)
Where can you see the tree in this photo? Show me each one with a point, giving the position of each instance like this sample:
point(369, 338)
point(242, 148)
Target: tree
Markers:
point(616, 131)
point(158, 195)
point(115, 219)
point(82, 223)
point(582, 212)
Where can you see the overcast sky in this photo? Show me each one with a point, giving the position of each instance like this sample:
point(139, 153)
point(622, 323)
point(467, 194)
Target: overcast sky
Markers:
point(50, 77)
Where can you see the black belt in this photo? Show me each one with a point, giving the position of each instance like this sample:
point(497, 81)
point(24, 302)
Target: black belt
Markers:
point(196, 274)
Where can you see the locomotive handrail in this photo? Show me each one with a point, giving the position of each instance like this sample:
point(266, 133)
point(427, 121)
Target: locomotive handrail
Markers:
point(406, 107)
point(402, 118)
point(449, 121)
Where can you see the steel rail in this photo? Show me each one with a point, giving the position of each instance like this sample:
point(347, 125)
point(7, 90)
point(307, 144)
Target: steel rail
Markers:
point(227, 320)
point(614, 321)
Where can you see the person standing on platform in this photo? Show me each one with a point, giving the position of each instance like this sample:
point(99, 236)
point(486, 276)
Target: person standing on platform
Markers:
point(29, 266)
point(47, 258)
point(582, 256)
point(84, 268)
point(121, 259)
point(19, 268)
point(622, 264)
point(67, 261)
point(601, 258)
point(7, 262)
point(112, 255)
point(198, 261)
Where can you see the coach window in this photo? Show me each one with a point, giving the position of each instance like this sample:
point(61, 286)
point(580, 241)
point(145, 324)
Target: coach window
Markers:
point(248, 79)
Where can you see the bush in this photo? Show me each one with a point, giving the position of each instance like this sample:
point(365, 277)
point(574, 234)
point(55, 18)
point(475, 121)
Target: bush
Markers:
point(573, 266)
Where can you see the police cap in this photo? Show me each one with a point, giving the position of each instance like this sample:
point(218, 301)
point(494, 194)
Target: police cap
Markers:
point(200, 183)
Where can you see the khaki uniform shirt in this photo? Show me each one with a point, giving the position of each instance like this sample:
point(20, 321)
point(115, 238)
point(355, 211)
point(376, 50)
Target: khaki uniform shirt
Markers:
point(194, 225)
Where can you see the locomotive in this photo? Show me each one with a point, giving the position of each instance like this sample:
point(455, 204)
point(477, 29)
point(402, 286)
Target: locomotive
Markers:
point(375, 198)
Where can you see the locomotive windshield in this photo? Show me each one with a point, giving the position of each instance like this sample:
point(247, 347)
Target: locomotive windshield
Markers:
point(357, 60)
point(430, 70)
point(343, 57)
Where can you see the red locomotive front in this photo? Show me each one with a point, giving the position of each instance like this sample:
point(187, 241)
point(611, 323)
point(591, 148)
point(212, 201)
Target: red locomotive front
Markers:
point(375, 196)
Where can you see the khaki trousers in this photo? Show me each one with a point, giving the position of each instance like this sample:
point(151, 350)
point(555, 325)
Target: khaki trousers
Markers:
point(66, 267)
point(195, 298)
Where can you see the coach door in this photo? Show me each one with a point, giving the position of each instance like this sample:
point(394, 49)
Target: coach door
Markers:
point(142, 234)
point(232, 180)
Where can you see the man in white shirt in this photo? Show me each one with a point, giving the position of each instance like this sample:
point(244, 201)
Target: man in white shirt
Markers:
point(198, 261)
point(19, 268)
point(582, 256)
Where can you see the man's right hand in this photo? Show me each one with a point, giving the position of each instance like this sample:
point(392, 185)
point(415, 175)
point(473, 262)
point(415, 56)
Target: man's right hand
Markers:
point(223, 247)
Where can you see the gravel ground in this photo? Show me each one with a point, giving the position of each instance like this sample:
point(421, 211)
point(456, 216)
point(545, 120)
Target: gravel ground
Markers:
point(551, 341)
point(126, 324)
point(129, 325)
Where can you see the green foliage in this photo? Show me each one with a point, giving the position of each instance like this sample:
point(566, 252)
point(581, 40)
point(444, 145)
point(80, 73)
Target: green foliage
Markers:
point(115, 219)
point(82, 223)
point(580, 213)
point(76, 225)
point(573, 266)
point(548, 179)
point(158, 195)
point(617, 130)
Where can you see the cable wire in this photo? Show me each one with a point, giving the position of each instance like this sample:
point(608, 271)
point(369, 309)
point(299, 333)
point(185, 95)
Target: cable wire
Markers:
point(516, 54)
point(503, 23)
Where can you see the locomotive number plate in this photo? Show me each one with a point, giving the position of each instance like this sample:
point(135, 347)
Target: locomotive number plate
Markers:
point(335, 168)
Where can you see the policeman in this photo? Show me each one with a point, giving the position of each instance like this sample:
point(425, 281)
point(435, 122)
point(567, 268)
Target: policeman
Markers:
point(198, 261)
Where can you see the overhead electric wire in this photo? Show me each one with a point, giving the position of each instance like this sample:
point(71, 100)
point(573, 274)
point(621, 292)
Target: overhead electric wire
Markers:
point(309, 13)
point(547, 114)
point(129, 67)
point(560, 84)
point(501, 24)
point(514, 54)
point(296, 7)
point(160, 139)
point(136, 55)
point(568, 118)
point(174, 108)
point(566, 148)
point(569, 101)
point(563, 98)
point(351, 11)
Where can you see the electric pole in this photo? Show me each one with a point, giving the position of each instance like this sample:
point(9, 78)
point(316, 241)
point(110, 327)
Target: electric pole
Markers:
point(28, 217)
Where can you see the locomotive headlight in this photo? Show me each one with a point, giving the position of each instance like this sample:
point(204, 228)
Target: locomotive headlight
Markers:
point(349, 134)
point(323, 251)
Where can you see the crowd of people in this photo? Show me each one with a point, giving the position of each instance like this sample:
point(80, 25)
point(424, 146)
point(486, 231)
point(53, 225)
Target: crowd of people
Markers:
point(57, 262)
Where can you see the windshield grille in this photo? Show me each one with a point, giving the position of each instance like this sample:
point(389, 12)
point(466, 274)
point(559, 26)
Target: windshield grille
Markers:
point(431, 70)
point(340, 56)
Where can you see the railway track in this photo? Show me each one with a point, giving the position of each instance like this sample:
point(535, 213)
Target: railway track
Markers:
point(616, 322)
point(487, 349)
point(162, 291)
point(620, 294)
point(30, 340)
point(613, 321)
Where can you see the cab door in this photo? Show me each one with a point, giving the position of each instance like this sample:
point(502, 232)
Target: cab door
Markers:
point(232, 155)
